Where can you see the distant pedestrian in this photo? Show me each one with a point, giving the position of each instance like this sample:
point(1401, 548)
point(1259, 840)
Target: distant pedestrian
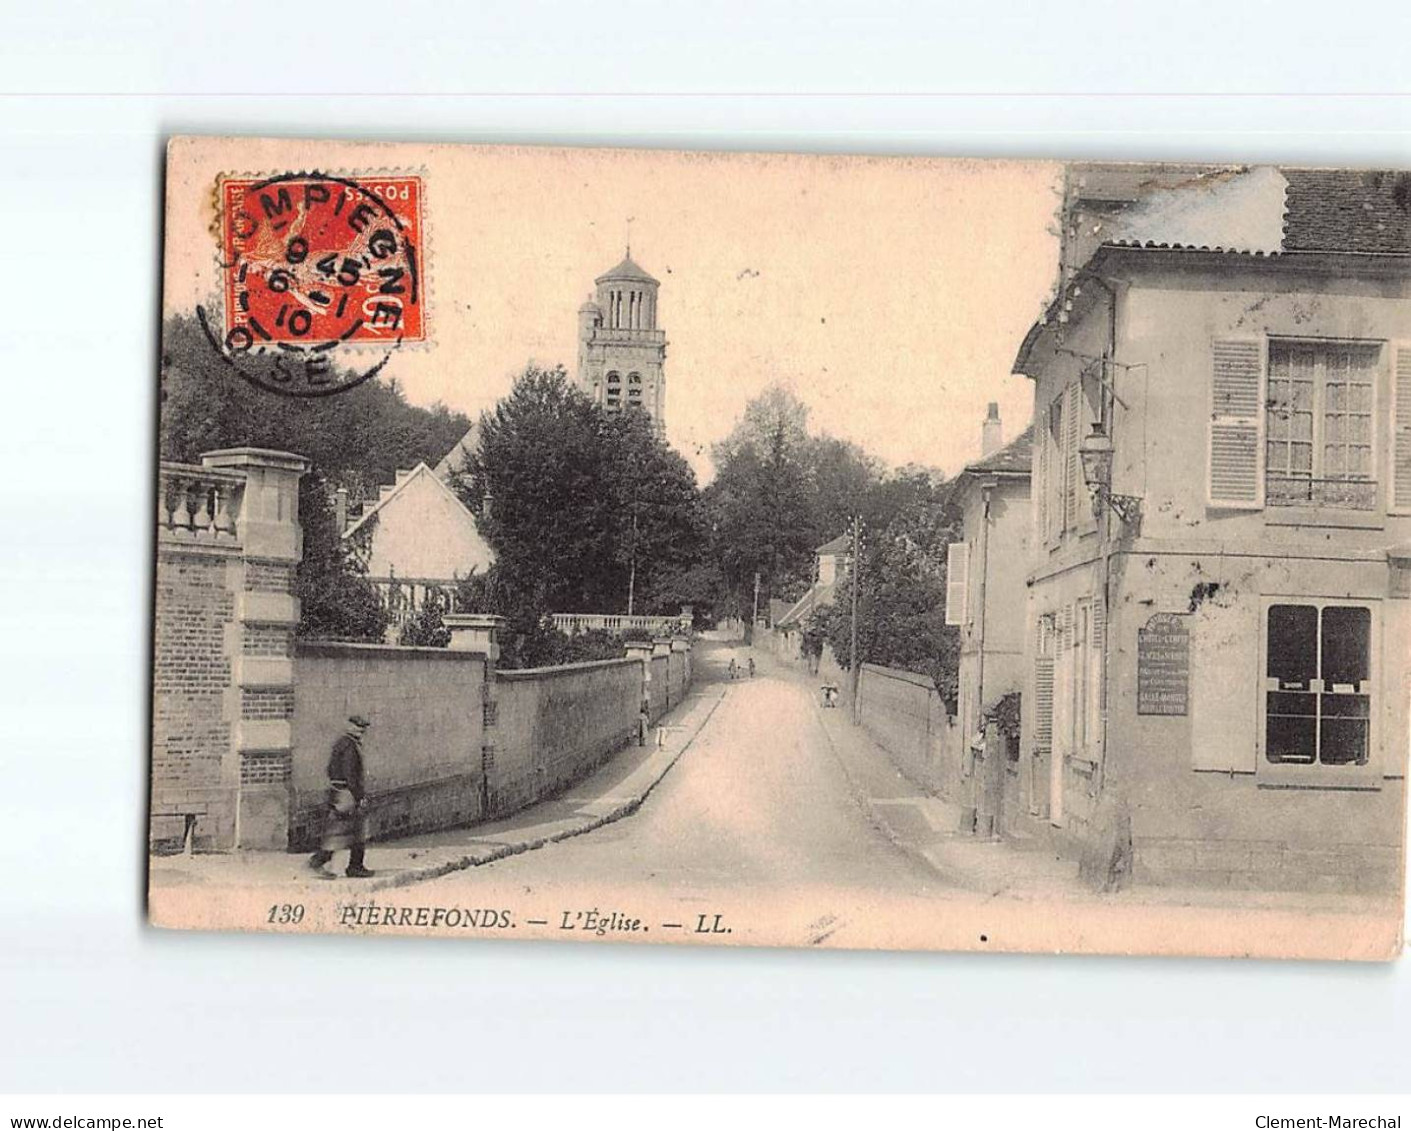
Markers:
point(752, 667)
point(644, 719)
point(734, 668)
point(830, 695)
point(345, 822)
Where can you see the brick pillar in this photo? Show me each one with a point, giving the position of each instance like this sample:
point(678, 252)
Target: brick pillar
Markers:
point(266, 613)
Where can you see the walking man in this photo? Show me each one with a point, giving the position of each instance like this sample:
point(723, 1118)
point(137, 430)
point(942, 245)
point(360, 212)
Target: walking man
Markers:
point(345, 824)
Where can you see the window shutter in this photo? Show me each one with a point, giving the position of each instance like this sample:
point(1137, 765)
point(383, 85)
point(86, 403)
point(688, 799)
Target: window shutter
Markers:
point(1072, 479)
point(1236, 438)
point(1095, 682)
point(1057, 485)
point(1401, 428)
point(1041, 454)
point(1225, 670)
point(957, 582)
point(1063, 681)
point(1043, 695)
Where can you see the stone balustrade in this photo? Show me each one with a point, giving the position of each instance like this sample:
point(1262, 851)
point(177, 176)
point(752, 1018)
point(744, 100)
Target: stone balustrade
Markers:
point(199, 504)
point(618, 623)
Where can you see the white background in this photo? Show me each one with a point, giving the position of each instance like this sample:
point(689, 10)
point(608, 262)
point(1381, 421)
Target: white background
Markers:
point(91, 999)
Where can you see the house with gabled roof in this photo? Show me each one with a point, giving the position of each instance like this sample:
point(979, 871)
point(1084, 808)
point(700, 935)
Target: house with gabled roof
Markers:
point(417, 539)
point(1217, 624)
point(831, 559)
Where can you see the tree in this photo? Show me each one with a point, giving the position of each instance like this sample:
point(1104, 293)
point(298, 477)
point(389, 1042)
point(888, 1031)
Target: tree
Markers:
point(760, 502)
point(336, 600)
point(358, 439)
point(658, 524)
point(585, 507)
point(779, 493)
point(910, 521)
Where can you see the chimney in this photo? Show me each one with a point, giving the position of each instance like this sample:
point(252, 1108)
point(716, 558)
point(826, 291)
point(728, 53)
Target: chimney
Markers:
point(340, 508)
point(992, 434)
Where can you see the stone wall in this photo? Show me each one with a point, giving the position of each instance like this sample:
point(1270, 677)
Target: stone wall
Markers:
point(446, 748)
point(423, 752)
point(555, 725)
point(904, 714)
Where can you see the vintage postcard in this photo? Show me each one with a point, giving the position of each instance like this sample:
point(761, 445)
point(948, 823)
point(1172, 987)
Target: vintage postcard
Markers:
point(784, 550)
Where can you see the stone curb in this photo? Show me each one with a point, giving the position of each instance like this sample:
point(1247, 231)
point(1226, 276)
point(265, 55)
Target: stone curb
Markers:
point(474, 860)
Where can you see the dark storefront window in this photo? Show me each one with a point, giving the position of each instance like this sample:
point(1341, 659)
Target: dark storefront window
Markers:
point(1318, 696)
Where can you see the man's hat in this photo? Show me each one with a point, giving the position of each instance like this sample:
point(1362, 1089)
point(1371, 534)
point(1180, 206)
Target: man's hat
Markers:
point(359, 721)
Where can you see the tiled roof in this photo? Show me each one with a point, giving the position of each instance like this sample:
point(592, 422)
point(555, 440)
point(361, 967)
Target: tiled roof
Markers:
point(839, 545)
point(627, 269)
point(1343, 210)
point(1240, 211)
point(1015, 457)
point(1257, 211)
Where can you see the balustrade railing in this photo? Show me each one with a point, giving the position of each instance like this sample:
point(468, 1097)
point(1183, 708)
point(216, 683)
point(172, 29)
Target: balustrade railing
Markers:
point(624, 334)
point(1302, 491)
point(199, 504)
point(571, 623)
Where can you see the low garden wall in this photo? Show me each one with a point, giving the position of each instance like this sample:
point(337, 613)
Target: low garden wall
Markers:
point(555, 725)
point(446, 748)
point(423, 752)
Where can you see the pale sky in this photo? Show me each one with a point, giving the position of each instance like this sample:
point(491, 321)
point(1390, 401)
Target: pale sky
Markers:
point(890, 294)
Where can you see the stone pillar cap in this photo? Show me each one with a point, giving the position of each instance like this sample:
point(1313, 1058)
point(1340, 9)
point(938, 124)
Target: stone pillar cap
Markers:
point(256, 457)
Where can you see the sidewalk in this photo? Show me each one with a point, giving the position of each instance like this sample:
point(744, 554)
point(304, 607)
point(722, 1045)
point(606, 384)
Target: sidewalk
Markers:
point(928, 828)
point(613, 791)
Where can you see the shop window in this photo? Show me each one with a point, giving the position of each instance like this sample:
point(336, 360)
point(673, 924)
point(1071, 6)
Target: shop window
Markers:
point(1318, 702)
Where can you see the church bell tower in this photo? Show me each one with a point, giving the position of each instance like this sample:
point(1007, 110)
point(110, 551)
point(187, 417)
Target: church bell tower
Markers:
point(621, 353)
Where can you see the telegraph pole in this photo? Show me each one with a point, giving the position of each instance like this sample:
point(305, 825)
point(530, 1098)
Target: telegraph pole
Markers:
point(632, 576)
point(856, 569)
point(754, 620)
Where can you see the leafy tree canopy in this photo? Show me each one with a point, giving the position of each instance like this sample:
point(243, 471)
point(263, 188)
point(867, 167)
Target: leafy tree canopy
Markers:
point(779, 493)
point(583, 506)
point(909, 520)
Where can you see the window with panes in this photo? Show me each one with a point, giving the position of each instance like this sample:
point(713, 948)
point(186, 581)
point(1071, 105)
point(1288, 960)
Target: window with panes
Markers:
point(1319, 424)
point(1318, 685)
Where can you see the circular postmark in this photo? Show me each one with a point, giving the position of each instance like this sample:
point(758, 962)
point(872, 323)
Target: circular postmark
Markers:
point(314, 264)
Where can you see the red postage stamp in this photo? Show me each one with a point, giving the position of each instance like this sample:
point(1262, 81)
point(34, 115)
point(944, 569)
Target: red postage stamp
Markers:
point(314, 260)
